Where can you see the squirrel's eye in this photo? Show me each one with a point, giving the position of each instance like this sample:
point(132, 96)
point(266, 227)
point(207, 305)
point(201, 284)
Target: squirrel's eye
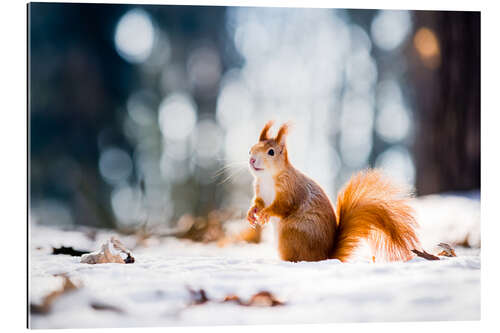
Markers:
point(270, 152)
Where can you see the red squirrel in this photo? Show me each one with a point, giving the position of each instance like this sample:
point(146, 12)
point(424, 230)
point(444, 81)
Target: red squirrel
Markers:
point(369, 207)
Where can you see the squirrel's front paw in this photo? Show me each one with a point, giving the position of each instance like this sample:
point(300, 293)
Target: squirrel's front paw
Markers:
point(263, 217)
point(251, 216)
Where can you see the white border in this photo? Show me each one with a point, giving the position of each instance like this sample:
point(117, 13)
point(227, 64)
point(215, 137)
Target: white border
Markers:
point(13, 164)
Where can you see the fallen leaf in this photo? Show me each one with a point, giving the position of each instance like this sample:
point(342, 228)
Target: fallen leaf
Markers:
point(233, 298)
point(48, 300)
point(201, 229)
point(447, 250)
point(264, 298)
point(113, 251)
point(204, 229)
point(198, 296)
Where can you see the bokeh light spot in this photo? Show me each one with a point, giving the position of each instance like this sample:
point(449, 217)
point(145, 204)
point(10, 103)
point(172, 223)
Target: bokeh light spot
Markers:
point(397, 162)
point(234, 104)
point(393, 122)
point(115, 165)
point(204, 68)
point(141, 108)
point(390, 28)
point(126, 205)
point(208, 141)
point(177, 116)
point(427, 45)
point(134, 36)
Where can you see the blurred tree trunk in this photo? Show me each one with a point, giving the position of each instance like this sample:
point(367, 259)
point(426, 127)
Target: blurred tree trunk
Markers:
point(447, 103)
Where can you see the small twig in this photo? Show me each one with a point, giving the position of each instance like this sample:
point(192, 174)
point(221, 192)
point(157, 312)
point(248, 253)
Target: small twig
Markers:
point(425, 255)
point(105, 307)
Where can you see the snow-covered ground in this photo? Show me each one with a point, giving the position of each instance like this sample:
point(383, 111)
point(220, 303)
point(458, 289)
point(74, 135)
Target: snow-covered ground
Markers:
point(153, 291)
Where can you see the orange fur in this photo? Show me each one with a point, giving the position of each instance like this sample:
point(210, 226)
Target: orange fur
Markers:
point(282, 133)
point(369, 207)
point(263, 134)
point(373, 208)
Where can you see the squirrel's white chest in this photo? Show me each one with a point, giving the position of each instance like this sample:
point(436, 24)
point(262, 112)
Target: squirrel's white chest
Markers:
point(267, 192)
point(266, 188)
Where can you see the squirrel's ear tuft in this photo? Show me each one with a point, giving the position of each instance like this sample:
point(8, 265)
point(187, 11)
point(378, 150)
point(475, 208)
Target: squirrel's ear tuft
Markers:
point(282, 133)
point(263, 134)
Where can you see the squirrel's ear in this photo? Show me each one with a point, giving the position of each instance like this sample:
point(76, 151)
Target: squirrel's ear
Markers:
point(282, 133)
point(263, 134)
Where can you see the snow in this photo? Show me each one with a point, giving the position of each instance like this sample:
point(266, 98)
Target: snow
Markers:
point(153, 291)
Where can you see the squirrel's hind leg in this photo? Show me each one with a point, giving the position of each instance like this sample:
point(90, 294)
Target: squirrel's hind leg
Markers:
point(295, 245)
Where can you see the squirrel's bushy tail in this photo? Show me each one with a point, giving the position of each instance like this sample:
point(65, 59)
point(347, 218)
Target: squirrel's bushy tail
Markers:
point(371, 207)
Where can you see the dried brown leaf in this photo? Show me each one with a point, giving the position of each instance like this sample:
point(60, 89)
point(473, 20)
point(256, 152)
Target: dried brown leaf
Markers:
point(113, 251)
point(46, 305)
point(446, 250)
point(203, 229)
point(198, 296)
point(264, 298)
point(233, 298)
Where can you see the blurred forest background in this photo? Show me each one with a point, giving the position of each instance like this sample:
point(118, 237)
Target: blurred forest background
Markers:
point(146, 113)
